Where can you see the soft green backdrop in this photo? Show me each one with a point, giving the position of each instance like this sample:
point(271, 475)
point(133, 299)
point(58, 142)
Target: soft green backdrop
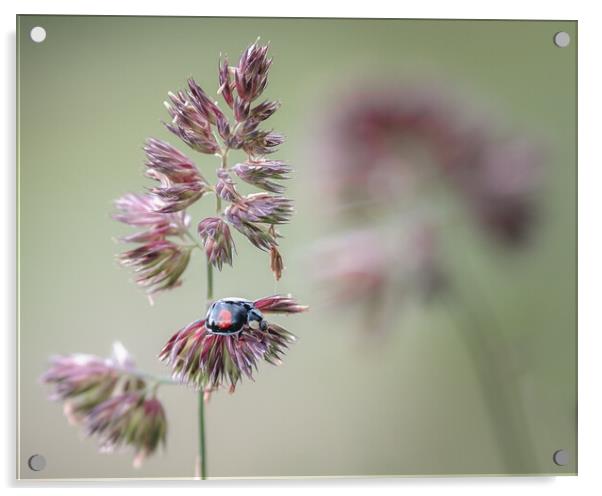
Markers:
point(93, 91)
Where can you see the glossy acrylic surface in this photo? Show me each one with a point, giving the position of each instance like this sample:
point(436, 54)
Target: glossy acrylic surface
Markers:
point(474, 375)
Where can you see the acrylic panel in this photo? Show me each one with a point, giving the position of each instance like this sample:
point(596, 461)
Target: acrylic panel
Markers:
point(264, 247)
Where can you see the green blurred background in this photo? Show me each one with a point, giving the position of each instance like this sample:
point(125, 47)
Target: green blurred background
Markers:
point(340, 405)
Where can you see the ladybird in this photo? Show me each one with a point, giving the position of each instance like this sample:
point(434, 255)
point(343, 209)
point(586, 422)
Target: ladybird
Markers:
point(229, 316)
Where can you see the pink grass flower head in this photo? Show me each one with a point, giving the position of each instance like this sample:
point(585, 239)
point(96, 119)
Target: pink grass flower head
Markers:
point(181, 182)
point(157, 265)
point(191, 122)
point(217, 241)
point(158, 262)
point(81, 382)
point(142, 211)
point(256, 215)
point(199, 122)
point(263, 174)
point(251, 75)
point(107, 398)
point(261, 142)
point(130, 419)
point(227, 344)
point(226, 187)
point(266, 208)
point(258, 235)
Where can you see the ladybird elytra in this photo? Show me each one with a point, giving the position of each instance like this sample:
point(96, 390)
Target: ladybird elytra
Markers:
point(224, 319)
point(230, 316)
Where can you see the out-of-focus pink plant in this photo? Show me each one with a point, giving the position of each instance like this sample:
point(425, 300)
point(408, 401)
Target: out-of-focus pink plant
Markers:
point(388, 149)
point(390, 154)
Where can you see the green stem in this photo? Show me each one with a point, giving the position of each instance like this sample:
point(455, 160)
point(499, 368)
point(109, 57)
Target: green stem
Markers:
point(202, 450)
point(209, 284)
point(193, 239)
point(499, 387)
point(202, 443)
point(208, 299)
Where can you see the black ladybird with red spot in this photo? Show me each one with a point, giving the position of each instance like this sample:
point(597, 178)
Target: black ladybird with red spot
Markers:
point(229, 316)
